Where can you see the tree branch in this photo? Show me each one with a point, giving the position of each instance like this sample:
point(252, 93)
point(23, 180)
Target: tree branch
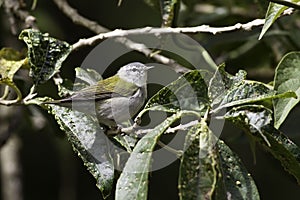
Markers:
point(96, 28)
point(160, 31)
point(14, 10)
point(77, 18)
point(140, 132)
point(10, 170)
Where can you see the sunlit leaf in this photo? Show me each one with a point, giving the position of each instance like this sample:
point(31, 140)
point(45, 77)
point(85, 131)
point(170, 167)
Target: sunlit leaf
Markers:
point(10, 62)
point(45, 54)
point(287, 78)
point(274, 11)
point(133, 182)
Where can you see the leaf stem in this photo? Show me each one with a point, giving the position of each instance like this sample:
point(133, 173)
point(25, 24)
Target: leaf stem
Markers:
point(178, 153)
point(3, 101)
point(5, 93)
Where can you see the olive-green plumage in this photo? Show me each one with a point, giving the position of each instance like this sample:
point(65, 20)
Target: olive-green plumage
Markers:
point(113, 100)
point(104, 89)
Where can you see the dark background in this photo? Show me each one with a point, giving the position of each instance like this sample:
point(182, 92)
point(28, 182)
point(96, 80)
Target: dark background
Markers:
point(51, 170)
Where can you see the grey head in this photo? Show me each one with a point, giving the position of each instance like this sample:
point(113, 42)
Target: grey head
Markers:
point(135, 72)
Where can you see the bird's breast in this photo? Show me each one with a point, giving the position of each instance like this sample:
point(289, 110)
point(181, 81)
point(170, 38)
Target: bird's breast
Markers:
point(120, 109)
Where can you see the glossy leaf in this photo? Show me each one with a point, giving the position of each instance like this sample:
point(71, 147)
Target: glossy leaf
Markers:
point(10, 62)
point(89, 142)
point(65, 86)
point(45, 54)
point(235, 181)
point(133, 182)
point(249, 92)
point(222, 82)
point(226, 90)
point(188, 92)
point(257, 122)
point(89, 76)
point(198, 168)
point(273, 12)
point(287, 78)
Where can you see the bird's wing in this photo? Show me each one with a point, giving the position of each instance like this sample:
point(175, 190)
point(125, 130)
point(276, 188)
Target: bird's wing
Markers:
point(107, 88)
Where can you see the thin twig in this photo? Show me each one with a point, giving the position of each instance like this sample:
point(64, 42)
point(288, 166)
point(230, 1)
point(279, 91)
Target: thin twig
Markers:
point(77, 18)
point(15, 11)
point(168, 30)
point(141, 132)
point(178, 153)
point(8, 102)
point(96, 28)
point(142, 48)
point(182, 127)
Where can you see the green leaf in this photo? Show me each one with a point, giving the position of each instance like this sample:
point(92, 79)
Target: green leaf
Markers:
point(65, 86)
point(11, 54)
point(274, 11)
point(45, 54)
point(235, 181)
point(221, 82)
point(252, 118)
point(188, 92)
point(126, 141)
point(210, 169)
point(133, 182)
point(10, 62)
point(89, 142)
point(257, 122)
point(89, 76)
point(226, 90)
point(198, 168)
point(249, 92)
point(287, 78)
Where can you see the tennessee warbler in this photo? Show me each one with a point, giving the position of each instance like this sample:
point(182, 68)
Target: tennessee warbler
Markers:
point(113, 100)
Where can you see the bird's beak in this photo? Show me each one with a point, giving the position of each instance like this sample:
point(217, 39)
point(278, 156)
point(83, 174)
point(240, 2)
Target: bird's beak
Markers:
point(149, 67)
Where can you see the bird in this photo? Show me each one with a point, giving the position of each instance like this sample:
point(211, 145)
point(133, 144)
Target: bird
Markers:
point(112, 100)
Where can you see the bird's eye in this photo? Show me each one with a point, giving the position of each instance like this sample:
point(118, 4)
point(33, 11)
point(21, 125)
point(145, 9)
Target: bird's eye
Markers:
point(134, 69)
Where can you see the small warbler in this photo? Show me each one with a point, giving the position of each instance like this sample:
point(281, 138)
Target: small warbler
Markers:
point(113, 100)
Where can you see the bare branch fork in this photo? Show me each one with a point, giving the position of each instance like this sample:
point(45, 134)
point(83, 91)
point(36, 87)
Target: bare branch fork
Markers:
point(96, 28)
